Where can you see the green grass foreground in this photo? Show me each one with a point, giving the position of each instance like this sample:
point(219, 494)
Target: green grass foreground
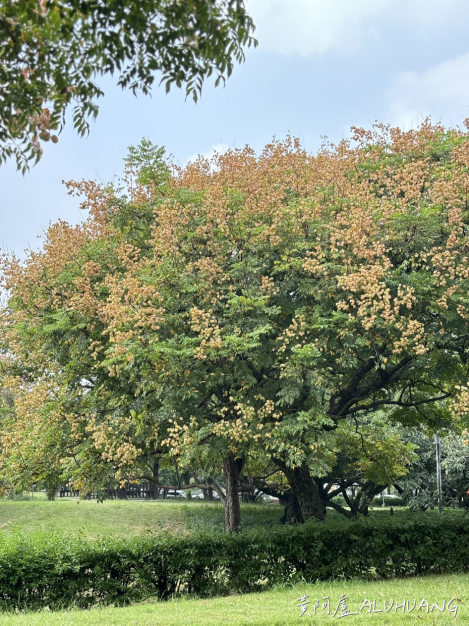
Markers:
point(277, 607)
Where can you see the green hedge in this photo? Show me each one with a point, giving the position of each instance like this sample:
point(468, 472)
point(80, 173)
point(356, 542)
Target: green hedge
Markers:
point(394, 502)
point(377, 501)
point(38, 571)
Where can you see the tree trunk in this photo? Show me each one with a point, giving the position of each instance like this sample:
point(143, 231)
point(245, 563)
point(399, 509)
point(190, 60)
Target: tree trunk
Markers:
point(231, 469)
point(154, 487)
point(291, 512)
point(287, 499)
point(306, 491)
point(208, 494)
point(248, 496)
point(209, 491)
point(186, 479)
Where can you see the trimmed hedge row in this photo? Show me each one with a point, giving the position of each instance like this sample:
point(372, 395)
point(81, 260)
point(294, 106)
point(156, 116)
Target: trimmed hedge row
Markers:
point(394, 502)
point(377, 501)
point(38, 571)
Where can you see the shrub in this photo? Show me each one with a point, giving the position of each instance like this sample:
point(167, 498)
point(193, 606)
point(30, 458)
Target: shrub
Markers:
point(25, 496)
point(38, 571)
point(378, 501)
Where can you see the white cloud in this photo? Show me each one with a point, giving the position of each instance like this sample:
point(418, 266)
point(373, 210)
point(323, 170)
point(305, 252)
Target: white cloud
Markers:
point(432, 14)
point(306, 27)
point(219, 148)
point(442, 91)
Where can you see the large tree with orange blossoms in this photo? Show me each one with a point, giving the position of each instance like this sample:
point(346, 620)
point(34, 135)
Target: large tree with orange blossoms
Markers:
point(244, 308)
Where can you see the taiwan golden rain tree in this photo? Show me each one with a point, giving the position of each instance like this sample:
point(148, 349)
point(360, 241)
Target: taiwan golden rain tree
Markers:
point(247, 306)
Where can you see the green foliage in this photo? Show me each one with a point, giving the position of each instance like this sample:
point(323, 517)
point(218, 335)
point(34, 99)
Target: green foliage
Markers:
point(50, 570)
point(20, 497)
point(51, 53)
point(372, 449)
point(378, 501)
point(420, 483)
point(237, 314)
point(149, 164)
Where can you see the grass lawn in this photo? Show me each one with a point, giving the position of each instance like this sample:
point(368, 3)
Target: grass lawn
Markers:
point(278, 607)
point(91, 519)
point(131, 517)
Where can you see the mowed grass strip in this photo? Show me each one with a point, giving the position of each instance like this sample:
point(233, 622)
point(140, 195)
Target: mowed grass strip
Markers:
point(127, 518)
point(89, 518)
point(278, 607)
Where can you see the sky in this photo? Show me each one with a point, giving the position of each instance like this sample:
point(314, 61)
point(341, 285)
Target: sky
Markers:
point(321, 66)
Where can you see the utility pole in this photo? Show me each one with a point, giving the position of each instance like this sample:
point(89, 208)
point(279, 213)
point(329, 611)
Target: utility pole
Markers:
point(438, 471)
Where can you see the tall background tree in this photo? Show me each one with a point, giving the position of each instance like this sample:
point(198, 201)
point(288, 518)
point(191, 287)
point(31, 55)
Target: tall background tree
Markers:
point(52, 52)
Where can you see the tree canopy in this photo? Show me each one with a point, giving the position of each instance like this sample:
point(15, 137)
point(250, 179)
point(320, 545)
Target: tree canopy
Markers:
point(52, 52)
point(249, 307)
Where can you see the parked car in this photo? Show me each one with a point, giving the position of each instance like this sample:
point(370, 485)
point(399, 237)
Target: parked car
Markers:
point(173, 493)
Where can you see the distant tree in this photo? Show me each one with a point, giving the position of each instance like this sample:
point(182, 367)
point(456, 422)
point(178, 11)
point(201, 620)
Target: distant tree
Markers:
point(419, 486)
point(51, 53)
